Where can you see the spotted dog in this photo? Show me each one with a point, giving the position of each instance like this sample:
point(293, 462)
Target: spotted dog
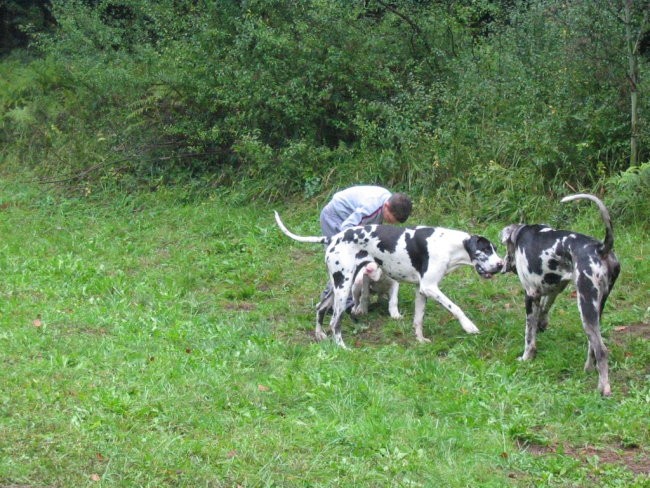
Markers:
point(546, 260)
point(422, 255)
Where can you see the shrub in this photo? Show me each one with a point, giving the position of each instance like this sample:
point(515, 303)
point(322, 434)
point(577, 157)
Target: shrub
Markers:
point(629, 192)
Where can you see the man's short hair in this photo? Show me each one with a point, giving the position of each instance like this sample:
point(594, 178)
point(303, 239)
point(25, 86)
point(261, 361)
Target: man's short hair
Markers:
point(400, 206)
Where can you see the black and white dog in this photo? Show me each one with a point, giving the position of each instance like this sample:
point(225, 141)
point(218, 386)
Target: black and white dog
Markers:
point(546, 260)
point(422, 255)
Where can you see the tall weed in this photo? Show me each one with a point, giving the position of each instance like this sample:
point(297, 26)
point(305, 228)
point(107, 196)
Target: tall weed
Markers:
point(629, 195)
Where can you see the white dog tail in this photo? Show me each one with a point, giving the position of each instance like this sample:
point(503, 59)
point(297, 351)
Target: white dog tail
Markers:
point(287, 232)
point(608, 243)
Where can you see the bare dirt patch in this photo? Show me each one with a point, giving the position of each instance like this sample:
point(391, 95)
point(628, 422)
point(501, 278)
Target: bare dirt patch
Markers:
point(240, 306)
point(635, 459)
point(624, 333)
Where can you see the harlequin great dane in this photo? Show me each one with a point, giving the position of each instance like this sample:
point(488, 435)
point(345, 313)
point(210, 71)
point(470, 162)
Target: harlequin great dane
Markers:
point(422, 255)
point(546, 260)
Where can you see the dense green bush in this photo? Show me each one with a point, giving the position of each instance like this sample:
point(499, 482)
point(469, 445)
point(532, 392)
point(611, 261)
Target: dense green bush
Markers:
point(283, 98)
point(629, 195)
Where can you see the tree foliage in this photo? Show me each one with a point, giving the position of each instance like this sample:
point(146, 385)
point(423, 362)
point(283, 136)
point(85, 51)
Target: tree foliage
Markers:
point(287, 96)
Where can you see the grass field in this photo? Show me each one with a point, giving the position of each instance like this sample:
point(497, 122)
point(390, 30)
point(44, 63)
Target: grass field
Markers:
point(157, 340)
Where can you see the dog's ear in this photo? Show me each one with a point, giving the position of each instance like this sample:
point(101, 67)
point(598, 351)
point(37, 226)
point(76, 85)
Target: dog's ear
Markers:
point(510, 233)
point(508, 237)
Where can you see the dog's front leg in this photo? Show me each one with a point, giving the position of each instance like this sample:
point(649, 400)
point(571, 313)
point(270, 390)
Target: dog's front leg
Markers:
point(533, 310)
point(545, 304)
point(418, 316)
point(434, 292)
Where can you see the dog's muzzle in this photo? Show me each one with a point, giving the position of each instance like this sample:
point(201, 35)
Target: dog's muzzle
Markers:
point(483, 273)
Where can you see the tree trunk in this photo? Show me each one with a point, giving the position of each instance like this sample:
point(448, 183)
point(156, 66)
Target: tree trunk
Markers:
point(633, 76)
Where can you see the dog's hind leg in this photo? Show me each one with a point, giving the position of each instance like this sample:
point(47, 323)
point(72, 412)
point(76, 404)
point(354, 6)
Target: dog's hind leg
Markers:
point(589, 306)
point(340, 302)
point(324, 306)
point(533, 311)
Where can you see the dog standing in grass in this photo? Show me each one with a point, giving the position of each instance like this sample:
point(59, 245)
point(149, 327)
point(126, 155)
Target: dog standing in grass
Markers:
point(546, 261)
point(422, 255)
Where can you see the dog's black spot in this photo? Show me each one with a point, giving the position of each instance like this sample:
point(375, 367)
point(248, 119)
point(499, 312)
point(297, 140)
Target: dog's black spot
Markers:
point(338, 278)
point(551, 279)
point(416, 248)
point(361, 255)
point(529, 304)
point(553, 264)
point(348, 236)
point(360, 234)
point(387, 237)
point(379, 261)
point(590, 313)
point(534, 262)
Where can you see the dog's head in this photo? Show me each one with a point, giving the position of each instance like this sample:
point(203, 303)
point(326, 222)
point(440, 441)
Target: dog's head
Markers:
point(483, 255)
point(371, 270)
point(508, 237)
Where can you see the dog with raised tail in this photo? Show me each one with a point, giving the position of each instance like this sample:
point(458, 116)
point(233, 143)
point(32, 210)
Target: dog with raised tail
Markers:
point(546, 261)
point(422, 255)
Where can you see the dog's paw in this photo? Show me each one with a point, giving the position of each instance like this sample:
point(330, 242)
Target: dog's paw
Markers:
point(359, 310)
point(320, 335)
point(471, 328)
point(527, 356)
point(338, 340)
point(422, 339)
point(396, 316)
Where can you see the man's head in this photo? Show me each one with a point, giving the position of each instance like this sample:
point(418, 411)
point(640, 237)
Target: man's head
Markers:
point(397, 208)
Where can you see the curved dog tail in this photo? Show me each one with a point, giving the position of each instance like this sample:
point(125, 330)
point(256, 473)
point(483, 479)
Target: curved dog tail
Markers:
point(287, 232)
point(608, 243)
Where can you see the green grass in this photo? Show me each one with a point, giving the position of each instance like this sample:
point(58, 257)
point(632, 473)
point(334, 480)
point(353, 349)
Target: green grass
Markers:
point(157, 340)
